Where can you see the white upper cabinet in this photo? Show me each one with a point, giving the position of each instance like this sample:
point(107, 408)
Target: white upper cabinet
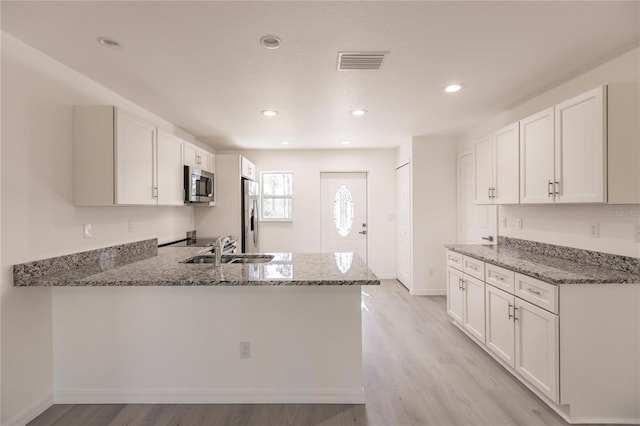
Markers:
point(563, 152)
point(537, 158)
point(496, 165)
point(506, 155)
point(135, 168)
point(170, 173)
point(248, 169)
point(580, 148)
point(195, 156)
point(120, 159)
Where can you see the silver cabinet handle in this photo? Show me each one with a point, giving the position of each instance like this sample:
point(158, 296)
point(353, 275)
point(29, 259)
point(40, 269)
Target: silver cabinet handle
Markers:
point(549, 190)
point(533, 291)
point(155, 192)
point(489, 238)
point(459, 283)
point(499, 278)
point(509, 311)
point(515, 311)
point(556, 188)
point(489, 192)
point(363, 232)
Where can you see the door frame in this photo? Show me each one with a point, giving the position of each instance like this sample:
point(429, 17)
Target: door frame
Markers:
point(366, 195)
point(459, 210)
point(409, 165)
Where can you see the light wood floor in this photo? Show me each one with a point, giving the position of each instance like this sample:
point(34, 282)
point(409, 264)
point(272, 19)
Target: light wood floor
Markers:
point(418, 369)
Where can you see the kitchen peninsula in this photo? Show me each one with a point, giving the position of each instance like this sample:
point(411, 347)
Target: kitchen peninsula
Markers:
point(157, 330)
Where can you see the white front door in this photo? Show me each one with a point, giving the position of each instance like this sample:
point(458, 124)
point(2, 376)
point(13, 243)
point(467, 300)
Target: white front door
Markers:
point(344, 213)
point(476, 223)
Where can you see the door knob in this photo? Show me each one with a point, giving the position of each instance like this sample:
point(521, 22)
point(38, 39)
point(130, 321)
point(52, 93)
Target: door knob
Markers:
point(363, 232)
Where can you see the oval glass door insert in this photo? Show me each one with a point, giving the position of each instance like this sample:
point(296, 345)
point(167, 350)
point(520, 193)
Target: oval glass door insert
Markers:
point(343, 211)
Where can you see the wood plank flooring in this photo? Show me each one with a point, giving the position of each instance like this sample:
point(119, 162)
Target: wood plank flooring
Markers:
point(419, 369)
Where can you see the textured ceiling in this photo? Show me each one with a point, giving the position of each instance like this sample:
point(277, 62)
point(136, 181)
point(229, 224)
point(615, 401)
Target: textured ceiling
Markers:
point(200, 64)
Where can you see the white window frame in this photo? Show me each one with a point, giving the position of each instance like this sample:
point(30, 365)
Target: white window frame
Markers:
point(275, 197)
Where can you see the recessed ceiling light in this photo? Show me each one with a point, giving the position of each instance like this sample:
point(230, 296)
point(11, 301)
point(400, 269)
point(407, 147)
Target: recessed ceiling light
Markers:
point(345, 142)
point(269, 113)
point(358, 112)
point(452, 88)
point(270, 41)
point(109, 42)
point(285, 142)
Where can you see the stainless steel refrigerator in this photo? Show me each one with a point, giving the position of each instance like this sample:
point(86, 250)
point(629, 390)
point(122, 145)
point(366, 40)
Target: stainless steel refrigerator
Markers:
point(250, 216)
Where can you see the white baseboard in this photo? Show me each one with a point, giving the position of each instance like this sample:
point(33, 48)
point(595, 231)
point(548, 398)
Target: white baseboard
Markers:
point(209, 396)
point(386, 276)
point(31, 412)
point(428, 292)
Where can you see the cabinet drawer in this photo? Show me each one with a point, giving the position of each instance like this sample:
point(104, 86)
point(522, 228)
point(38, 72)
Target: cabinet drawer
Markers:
point(454, 260)
point(473, 267)
point(538, 292)
point(500, 277)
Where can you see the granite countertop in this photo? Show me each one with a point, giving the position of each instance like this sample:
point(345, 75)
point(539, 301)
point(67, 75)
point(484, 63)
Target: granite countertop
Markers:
point(554, 270)
point(166, 269)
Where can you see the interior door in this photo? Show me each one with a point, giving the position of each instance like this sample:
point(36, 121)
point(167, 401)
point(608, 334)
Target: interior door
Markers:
point(344, 213)
point(476, 223)
point(403, 222)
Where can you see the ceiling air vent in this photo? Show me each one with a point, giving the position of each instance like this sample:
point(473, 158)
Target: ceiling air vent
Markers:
point(360, 60)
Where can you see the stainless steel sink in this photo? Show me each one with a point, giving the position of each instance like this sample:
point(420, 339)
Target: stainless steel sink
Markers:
point(232, 258)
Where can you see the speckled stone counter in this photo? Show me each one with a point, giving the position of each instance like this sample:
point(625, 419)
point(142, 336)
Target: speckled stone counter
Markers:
point(166, 269)
point(545, 263)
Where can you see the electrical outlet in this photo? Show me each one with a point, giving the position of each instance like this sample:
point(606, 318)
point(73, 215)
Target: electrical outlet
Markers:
point(519, 223)
point(245, 350)
point(637, 233)
point(504, 222)
point(130, 226)
point(594, 229)
point(87, 230)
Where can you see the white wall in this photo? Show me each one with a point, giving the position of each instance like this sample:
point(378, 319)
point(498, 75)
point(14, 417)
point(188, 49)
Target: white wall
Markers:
point(433, 194)
point(38, 218)
point(303, 234)
point(181, 344)
point(568, 225)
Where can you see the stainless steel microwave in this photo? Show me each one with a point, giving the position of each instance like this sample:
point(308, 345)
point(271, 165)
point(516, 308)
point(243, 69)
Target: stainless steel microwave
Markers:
point(199, 186)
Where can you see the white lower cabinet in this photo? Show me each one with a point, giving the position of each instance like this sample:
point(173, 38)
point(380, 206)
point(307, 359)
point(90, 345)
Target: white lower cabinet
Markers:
point(473, 295)
point(465, 301)
point(455, 297)
point(499, 322)
point(537, 355)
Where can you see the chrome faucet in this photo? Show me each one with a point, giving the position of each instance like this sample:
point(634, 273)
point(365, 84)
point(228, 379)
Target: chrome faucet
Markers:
point(218, 246)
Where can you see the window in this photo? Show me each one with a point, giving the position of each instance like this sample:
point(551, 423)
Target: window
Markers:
point(277, 196)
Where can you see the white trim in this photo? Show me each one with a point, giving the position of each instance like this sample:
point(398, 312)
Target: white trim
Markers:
point(209, 396)
point(31, 412)
point(459, 212)
point(386, 276)
point(428, 292)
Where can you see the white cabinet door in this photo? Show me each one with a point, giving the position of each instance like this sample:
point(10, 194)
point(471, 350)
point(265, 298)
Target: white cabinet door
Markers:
point(135, 146)
point(500, 332)
point(537, 355)
point(580, 148)
point(248, 169)
point(506, 165)
point(537, 158)
point(473, 314)
point(170, 172)
point(483, 171)
point(190, 154)
point(211, 167)
point(455, 299)
point(203, 160)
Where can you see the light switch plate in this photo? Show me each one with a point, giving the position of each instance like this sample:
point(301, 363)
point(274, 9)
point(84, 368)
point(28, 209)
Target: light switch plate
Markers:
point(594, 229)
point(504, 222)
point(637, 233)
point(519, 223)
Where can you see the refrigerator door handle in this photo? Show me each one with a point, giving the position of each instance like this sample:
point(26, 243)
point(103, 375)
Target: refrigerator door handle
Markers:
point(254, 222)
